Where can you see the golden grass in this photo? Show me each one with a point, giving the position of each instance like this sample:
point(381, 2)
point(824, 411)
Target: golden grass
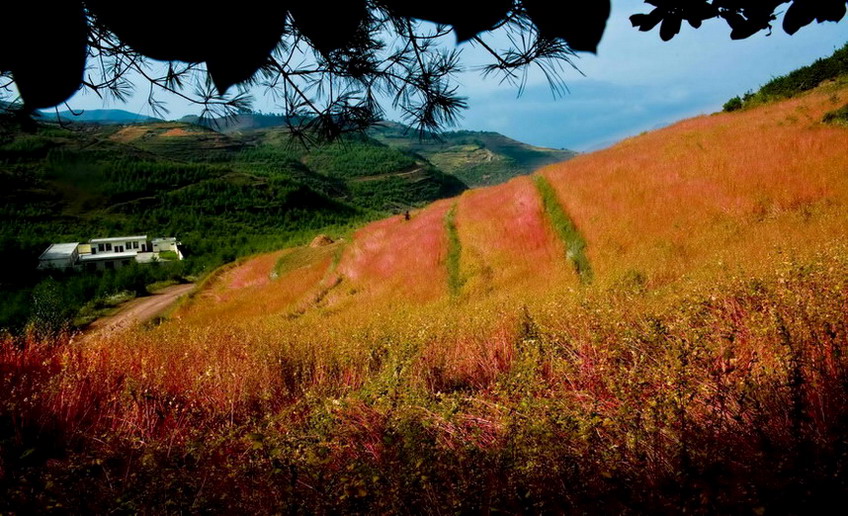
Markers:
point(715, 189)
point(507, 243)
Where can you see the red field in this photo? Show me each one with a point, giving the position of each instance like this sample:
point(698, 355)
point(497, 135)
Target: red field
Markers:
point(507, 242)
point(397, 259)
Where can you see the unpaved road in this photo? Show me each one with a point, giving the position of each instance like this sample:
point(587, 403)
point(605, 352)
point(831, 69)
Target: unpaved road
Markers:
point(139, 310)
point(378, 177)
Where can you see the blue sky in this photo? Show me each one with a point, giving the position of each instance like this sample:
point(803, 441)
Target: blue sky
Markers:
point(636, 82)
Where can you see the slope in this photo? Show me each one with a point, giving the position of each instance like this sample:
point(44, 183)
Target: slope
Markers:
point(223, 196)
point(97, 116)
point(478, 158)
point(695, 200)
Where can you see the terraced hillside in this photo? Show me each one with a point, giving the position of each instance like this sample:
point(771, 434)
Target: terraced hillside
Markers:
point(706, 196)
point(477, 158)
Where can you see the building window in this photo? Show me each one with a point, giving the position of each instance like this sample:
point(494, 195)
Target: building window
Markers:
point(101, 247)
point(135, 245)
point(108, 247)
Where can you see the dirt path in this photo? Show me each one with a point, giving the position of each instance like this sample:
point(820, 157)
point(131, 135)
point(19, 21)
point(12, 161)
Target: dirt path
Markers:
point(378, 177)
point(139, 311)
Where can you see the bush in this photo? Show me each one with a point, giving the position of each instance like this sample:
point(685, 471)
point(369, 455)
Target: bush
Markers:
point(733, 104)
point(837, 116)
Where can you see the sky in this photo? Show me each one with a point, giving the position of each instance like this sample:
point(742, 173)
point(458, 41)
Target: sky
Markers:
point(636, 82)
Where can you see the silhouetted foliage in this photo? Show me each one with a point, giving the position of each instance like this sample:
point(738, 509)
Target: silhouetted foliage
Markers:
point(332, 64)
point(745, 17)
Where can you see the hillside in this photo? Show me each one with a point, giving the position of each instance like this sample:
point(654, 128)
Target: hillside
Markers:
point(478, 158)
point(776, 185)
point(222, 195)
point(237, 123)
point(658, 327)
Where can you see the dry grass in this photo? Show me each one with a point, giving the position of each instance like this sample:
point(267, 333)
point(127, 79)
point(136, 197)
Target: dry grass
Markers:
point(507, 242)
point(396, 259)
point(721, 189)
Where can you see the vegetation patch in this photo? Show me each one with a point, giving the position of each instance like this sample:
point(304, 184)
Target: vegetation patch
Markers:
point(477, 158)
point(575, 244)
point(454, 255)
point(837, 116)
point(795, 82)
point(304, 256)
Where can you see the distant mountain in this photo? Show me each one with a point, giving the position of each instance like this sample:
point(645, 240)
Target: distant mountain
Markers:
point(237, 123)
point(98, 116)
point(478, 158)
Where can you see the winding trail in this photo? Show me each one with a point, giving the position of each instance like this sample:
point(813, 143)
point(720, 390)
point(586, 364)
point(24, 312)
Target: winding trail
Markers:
point(138, 311)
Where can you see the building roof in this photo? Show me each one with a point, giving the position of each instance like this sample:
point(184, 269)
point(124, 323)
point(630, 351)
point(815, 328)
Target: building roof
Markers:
point(59, 251)
point(117, 239)
point(165, 239)
point(106, 256)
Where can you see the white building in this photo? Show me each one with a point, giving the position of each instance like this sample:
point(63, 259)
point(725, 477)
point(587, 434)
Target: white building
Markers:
point(109, 253)
point(120, 244)
point(167, 244)
point(59, 256)
point(107, 260)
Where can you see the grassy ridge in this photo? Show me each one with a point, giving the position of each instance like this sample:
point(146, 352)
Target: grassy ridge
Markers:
point(575, 244)
point(454, 255)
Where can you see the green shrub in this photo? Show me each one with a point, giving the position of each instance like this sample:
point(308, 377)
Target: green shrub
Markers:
point(795, 82)
point(837, 116)
point(733, 104)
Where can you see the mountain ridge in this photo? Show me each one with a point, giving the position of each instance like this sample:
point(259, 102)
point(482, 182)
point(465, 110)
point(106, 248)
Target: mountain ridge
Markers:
point(477, 158)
